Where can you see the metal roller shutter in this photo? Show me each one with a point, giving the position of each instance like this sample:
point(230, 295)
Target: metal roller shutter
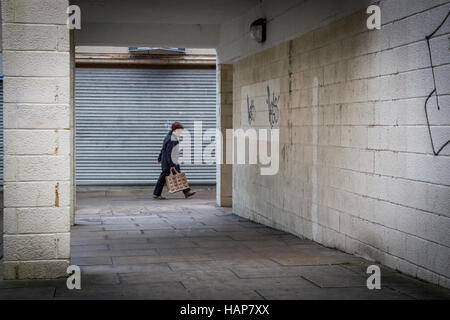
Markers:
point(122, 117)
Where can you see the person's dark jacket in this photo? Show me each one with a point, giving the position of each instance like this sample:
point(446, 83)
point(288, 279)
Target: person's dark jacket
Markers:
point(165, 156)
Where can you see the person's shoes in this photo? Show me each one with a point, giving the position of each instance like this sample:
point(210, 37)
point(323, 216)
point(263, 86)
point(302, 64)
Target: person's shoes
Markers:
point(159, 197)
point(189, 194)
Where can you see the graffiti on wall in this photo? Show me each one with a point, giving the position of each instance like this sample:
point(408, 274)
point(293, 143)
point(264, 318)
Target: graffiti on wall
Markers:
point(432, 103)
point(260, 106)
point(251, 111)
point(273, 109)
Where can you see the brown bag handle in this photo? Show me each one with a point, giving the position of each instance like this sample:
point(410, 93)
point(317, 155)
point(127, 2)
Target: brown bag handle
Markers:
point(173, 169)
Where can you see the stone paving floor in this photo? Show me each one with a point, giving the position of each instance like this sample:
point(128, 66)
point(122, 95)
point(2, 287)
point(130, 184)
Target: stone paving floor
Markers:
point(130, 246)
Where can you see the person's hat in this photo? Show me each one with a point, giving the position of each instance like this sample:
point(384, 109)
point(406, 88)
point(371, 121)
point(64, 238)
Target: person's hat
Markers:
point(177, 125)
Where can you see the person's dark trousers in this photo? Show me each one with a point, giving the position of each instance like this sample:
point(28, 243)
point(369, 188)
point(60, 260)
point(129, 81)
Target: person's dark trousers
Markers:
point(162, 181)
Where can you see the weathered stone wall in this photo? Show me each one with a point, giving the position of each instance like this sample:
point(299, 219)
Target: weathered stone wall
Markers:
point(38, 140)
point(357, 170)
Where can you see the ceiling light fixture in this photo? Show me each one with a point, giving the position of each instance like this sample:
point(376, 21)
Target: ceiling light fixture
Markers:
point(258, 30)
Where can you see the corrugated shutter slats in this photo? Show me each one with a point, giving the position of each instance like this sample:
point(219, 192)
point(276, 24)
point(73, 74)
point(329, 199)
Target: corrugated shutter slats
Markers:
point(122, 116)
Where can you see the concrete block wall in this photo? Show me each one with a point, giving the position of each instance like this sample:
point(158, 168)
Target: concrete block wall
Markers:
point(224, 122)
point(357, 171)
point(38, 139)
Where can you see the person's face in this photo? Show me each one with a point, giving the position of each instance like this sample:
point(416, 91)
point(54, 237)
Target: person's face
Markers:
point(178, 132)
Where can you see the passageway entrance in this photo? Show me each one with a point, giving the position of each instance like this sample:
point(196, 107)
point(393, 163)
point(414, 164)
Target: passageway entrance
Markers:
point(126, 99)
point(123, 115)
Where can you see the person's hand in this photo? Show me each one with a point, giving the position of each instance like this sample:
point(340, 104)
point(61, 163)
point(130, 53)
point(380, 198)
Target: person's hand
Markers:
point(173, 169)
point(159, 161)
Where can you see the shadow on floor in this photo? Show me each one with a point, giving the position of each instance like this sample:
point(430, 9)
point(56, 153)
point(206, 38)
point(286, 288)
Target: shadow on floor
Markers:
point(130, 246)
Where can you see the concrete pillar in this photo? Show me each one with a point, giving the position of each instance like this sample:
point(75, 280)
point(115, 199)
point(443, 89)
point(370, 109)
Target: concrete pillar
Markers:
point(224, 113)
point(72, 126)
point(38, 144)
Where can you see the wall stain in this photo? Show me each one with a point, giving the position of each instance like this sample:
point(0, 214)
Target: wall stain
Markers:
point(290, 74)
point(56, 93)
point(57, 195)
point(56, 142)
point(16, 271)
point(290, 66)
point(56, 244)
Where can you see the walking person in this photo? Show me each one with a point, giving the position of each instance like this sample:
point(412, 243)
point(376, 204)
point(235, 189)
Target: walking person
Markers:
point(168, 157)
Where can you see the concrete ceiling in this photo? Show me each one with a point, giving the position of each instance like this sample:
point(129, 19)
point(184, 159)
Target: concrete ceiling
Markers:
point(187, 23)
point(163, 11)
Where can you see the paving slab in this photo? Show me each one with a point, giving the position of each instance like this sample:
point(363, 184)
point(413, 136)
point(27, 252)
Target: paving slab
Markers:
point(88, 247)
point(155, 291)
point(414, 288)
point(332, 276)
point(28, 293)
point(199, 232)
point(277, 271)
point(115, 253)
point(9, 284)
point(223, 294)
point(223, 264)
point(221, 243)
point(105, 240)
point(158, 259)
point(331, 294)
point(89, 261)
point(249, 284)
point(130, 268)
point(99, 278)
point(189, 275)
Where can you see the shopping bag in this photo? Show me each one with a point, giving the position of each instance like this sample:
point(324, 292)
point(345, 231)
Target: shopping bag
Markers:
point(176, 181)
